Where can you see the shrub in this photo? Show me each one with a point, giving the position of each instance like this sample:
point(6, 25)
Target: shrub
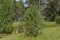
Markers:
point(58, 19)
point(32, 21)
point(6, 16)
point(18, 25)
point(8, 30)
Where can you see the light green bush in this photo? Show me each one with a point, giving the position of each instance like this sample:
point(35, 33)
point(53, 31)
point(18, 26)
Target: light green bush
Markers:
point(18, 25)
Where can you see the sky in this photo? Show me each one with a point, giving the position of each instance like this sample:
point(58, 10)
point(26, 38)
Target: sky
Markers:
point(23, 0)
point(24, 3)
point(17, 0)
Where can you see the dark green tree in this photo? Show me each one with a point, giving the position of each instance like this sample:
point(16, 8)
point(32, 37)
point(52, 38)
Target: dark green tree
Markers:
point(6, 15)
point(32, 21)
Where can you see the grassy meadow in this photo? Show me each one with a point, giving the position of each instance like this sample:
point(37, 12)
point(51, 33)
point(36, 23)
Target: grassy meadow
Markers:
point(51, 31)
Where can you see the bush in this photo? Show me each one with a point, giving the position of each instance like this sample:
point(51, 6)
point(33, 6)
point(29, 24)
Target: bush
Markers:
point(32, 21)
point(58, 19)
point(6, 29)
point(18, 25)
point(6, 16)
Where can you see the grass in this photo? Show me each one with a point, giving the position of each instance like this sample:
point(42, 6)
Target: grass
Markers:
point(50, 24)
point(49, 33)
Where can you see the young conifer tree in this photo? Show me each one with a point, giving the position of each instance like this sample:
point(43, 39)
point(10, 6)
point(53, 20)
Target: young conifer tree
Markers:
point(32, 20)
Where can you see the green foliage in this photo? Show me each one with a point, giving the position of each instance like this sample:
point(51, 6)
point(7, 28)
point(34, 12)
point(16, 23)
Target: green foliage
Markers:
point(50, 11)
point(18, 8)
point(15, 24)
point(58, 19)
point(18, 25)
point(6, 15)
point(8, 29)
point(32, 21)
point(9, 11)
point(52, 33)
